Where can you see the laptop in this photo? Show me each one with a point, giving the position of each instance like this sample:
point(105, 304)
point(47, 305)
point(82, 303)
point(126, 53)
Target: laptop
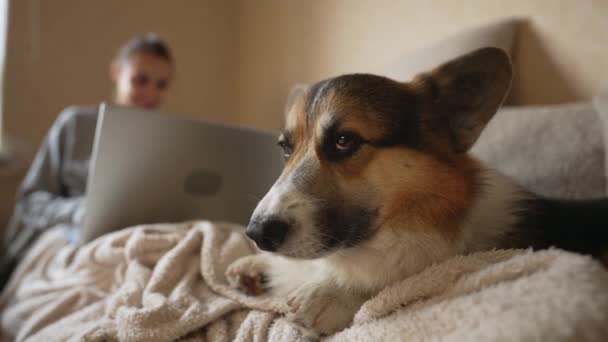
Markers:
point(150, 167)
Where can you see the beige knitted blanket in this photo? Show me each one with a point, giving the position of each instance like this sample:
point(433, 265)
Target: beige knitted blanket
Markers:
point(166, 282)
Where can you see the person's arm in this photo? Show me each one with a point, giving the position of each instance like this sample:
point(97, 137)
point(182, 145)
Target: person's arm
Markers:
point(43, 199)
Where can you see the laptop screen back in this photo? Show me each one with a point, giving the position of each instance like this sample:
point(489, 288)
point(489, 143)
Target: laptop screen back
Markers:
point(149, 167)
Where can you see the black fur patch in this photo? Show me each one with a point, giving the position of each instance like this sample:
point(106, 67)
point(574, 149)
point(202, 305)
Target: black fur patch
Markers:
point(574, 225)
point(344, 225)
point(385, 101)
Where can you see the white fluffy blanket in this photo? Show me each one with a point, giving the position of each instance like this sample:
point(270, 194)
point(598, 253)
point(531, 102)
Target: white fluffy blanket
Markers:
point(166, 282)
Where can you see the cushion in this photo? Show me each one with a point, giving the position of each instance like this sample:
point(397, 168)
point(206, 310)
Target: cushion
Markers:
point(498, 34)
point(555, 150)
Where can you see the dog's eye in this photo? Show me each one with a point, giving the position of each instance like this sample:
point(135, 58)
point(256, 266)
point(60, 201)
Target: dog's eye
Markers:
point(341, 145)
point(347, 142)
point(287, 149)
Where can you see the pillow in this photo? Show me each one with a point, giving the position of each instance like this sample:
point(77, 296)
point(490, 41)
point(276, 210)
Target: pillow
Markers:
point(555, 150)
point(499, 34)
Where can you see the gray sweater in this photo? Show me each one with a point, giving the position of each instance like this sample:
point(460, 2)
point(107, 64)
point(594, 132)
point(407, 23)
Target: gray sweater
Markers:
point(52, 192)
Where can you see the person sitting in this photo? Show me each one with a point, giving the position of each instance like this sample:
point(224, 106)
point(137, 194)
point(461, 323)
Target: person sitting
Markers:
point(53, 191)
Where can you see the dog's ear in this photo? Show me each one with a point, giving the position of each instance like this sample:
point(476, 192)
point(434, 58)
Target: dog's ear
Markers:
point(463, 94)
point(295, 93)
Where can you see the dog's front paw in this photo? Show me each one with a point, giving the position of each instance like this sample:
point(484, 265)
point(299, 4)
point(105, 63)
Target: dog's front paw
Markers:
point(248, 274)
point(320, 311)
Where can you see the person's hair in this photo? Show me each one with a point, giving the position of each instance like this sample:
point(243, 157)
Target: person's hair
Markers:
point(148, 43)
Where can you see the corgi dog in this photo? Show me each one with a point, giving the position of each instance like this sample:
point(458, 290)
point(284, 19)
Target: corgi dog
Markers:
point(378, 185)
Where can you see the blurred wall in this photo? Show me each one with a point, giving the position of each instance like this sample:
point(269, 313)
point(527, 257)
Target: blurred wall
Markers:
point(59, 53)
point(237, 59)
point(561, 55)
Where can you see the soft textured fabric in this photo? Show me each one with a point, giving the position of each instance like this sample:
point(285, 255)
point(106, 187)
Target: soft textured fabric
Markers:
point(498, 34)
point(53, 190)
point(554, 150)
point(167, 282)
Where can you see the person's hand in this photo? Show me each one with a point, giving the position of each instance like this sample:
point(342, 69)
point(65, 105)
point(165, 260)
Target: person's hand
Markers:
point(78, 216)
point(72, 230)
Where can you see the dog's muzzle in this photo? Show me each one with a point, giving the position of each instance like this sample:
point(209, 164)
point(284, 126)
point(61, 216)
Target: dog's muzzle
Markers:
point(267, 233)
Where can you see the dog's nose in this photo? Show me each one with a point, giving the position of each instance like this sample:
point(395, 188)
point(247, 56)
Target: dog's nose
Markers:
point(268, 233)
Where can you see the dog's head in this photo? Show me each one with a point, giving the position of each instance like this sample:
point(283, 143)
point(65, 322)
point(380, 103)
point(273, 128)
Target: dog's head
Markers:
point(365, 154)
